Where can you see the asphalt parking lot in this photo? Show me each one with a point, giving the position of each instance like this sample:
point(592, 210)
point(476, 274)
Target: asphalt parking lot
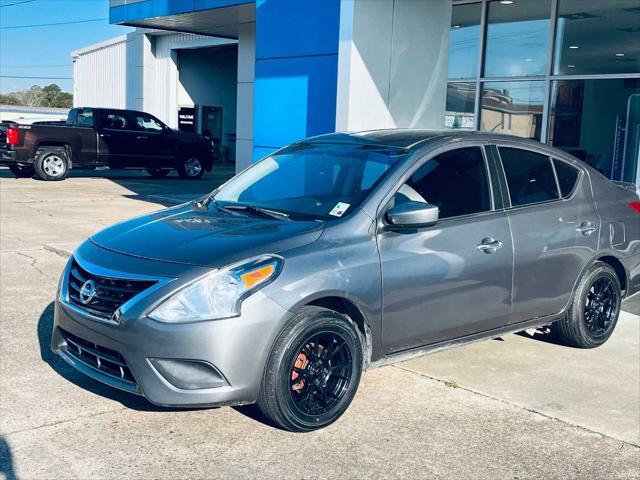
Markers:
point(516, 407)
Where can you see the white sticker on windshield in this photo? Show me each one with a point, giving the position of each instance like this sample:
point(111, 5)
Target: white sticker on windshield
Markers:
point(339, 209)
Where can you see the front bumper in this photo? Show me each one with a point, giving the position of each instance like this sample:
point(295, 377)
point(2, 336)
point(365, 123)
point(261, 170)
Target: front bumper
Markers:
point(237, 348)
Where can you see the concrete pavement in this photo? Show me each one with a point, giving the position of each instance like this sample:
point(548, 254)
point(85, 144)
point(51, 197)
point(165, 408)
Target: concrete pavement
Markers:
point(518, 408)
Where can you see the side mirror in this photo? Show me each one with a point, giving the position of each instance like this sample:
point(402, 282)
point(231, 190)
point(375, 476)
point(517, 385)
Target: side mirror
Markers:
point(412, 215)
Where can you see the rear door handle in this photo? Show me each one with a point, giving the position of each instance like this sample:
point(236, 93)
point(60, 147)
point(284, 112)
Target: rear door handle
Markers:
point(586, 228)
point(105, 135)
point(489, 245)
point(142, 137)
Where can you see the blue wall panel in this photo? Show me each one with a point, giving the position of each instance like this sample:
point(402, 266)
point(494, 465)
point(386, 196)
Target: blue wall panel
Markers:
point(289, 28)
point(296, 71)
point(294, 98)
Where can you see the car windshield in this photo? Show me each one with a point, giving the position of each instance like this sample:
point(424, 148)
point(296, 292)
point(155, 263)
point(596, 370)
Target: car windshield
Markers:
point(311, 181)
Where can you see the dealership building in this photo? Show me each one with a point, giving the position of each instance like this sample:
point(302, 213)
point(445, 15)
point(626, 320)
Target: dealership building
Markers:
point(257, 75)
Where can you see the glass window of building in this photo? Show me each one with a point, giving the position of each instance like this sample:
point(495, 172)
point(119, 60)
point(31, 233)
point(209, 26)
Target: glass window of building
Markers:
point(513, 108)
point(517, 38)
point(460, 107)
point(464, 41)
point(597, 37)
point(598, 121)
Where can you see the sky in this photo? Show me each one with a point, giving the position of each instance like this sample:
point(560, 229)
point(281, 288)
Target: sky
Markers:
point(46, 51)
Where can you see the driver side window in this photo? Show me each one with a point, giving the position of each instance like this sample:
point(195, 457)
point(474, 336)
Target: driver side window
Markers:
point(456, 182)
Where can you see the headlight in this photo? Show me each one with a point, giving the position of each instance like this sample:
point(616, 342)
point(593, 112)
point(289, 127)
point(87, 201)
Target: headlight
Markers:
point(218, 294)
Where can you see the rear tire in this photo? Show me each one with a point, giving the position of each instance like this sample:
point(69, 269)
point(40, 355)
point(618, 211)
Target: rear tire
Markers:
point(158, 172)
point(191, 168)
point(594, 309)
point(313, 371)
point(52, 165)
point(20, 171)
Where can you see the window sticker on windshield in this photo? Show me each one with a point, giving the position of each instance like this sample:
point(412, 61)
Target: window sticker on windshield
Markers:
point(339, 209)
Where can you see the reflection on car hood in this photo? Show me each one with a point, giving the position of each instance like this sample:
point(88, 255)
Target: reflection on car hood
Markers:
point(186, 234)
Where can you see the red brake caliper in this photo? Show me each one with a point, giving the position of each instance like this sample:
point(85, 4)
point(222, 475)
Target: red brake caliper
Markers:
point(301, 363)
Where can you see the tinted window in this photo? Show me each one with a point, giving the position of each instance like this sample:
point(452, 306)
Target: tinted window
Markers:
point(529, 176)
point(115, 121)
point(147, 123)
point(72, 118)
point(455, 181)
point(317, 181)
point(567, 177)
point(85, 118)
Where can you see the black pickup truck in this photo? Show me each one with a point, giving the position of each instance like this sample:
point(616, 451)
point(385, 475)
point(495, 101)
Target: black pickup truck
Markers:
point(100, 137)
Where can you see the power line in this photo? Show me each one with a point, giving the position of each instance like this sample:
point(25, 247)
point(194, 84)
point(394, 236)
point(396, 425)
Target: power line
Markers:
point(36, 78)
point(53, 24)
point(17, 3)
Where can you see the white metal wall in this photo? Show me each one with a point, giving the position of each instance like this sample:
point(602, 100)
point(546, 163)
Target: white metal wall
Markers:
point(99, 76)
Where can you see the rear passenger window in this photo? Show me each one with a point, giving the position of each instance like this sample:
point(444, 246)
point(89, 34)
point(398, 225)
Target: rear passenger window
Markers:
point(567, 177)
point(455, 181)
point(529, 176)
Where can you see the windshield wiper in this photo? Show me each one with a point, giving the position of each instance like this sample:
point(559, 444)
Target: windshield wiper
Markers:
point(265, 212)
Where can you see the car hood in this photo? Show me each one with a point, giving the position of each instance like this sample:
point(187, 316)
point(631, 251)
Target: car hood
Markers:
point(205, 237)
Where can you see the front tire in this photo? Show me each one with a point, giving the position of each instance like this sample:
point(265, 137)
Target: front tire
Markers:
point(52, 164)
point(594, 309)
point(313, 371)
point(22, 171)
point(191, 168)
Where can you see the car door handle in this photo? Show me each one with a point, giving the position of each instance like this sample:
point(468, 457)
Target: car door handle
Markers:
point(586, 228)
point(489, 245)
point(142, 137)
point(105, 135)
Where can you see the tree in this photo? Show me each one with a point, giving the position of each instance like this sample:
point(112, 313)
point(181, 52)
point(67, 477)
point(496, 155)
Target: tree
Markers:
point(63, 100)
point(50, 92)
point(9, 99)
point(36, 96)
point(30, 98)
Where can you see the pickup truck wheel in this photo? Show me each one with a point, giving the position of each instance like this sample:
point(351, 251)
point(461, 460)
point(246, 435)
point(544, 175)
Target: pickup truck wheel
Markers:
point(52, 164)
point(313, 371)
point(22, 171)
point(191, 168)
point(158, 172)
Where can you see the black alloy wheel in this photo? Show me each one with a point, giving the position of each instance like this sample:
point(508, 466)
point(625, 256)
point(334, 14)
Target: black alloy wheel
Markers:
point(601, 306)
point(313, 370)
point(593, 310)
point(320, 373)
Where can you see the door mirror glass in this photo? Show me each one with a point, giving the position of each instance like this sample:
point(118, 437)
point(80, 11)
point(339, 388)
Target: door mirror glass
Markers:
point(412, 215)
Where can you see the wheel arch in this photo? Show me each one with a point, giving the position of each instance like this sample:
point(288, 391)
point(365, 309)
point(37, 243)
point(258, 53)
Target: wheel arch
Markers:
point(350, 309)
point(56, 145)
point(618, 267)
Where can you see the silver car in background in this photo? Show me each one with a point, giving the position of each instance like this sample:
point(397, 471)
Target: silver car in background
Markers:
point(344, 252)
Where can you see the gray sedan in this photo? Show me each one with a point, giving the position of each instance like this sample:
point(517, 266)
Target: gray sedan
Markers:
point(344, 252)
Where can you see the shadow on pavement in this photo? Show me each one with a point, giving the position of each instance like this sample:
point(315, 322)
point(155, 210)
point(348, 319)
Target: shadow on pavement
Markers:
point(6, 460)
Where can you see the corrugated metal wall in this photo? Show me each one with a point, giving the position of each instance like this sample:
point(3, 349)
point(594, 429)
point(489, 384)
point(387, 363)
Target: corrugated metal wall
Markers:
point(99, 77)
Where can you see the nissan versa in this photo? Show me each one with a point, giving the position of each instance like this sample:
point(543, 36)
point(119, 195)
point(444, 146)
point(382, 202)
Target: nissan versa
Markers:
point(343, 252)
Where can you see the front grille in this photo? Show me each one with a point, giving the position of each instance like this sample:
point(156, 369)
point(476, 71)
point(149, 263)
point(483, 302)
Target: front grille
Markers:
point(99, 358)
point(110, 293)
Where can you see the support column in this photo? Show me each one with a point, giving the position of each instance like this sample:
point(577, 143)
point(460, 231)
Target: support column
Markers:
point(246, 79)
point(393, 61)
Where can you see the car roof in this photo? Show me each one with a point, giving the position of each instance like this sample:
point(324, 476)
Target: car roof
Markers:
point(411, 139)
